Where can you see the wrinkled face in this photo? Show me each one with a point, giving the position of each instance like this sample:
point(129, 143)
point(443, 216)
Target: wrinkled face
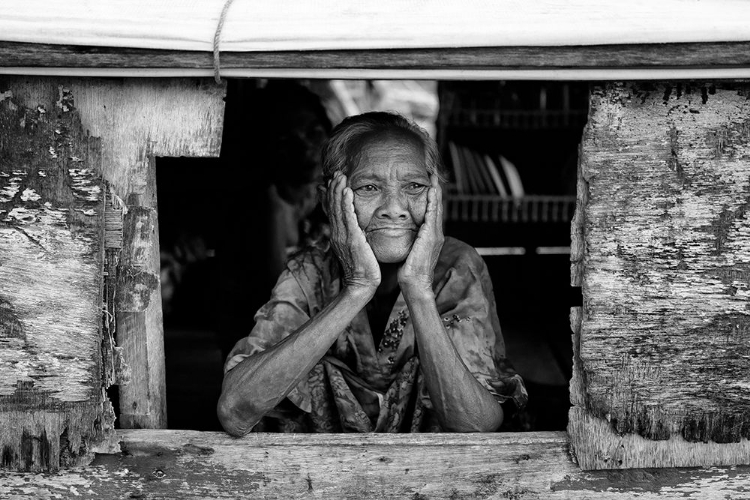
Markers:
point(390, 184)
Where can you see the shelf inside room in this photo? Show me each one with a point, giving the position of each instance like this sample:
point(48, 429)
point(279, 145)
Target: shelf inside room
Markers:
point(511, 150)
point(509, 209)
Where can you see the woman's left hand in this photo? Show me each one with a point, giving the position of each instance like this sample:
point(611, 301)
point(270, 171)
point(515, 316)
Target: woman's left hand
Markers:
point(419, 267)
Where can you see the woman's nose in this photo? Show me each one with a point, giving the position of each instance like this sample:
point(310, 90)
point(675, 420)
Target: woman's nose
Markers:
point(394, 206)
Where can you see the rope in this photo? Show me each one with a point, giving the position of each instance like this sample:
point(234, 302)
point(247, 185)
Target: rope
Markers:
point(217, 36)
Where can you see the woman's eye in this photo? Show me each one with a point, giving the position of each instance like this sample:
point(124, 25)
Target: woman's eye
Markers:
point(415, 186)
point(368, 188)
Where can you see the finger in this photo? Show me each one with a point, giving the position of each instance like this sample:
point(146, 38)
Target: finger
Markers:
point(335, 205)
point(341, 189)
point(432, 205)
point(350, 216)
point(341, 204)
point(438, 200)
point(435, 184)
point(330, 192)
point(327, 197)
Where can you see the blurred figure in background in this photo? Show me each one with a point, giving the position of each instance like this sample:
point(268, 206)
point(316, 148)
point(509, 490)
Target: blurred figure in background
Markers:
point(296, 134)
point(272, 143)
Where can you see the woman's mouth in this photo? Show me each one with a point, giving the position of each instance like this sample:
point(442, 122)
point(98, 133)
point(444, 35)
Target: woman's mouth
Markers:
point(392, 231)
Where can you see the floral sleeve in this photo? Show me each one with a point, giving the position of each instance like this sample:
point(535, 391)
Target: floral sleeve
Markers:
point(466, 303)
point(281, 316)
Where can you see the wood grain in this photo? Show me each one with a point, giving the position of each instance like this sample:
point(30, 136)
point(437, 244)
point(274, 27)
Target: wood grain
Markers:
point(52, 411)
point(131, 122)
point(674, 55)
point(143, 400)
point(138, 120)
point(577, 230)
point(523, 466)
point(665, 328)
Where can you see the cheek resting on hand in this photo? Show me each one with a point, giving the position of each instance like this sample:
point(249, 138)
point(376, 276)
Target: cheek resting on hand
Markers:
point(418, 208)
point(367, 210)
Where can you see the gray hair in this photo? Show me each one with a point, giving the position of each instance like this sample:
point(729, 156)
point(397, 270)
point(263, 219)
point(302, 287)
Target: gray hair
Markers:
point(342, 151)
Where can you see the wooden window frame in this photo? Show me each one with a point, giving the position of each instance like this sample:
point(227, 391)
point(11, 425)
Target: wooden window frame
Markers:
point(648, 61)
point(512, 465)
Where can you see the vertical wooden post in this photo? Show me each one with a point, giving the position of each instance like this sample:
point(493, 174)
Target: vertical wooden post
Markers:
point(68, 148)
point(660, 248)
point(143, 400)
point(138, 120)
point(53, 411)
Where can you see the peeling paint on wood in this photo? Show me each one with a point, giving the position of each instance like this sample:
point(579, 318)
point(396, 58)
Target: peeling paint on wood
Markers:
point(137, 281)
point(134, 121)
point(138, 120)
point(661, 244)
point(52, 411)
point(59, 138)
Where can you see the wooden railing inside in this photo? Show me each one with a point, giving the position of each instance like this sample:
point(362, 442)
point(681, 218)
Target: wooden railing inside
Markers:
point(488, 208)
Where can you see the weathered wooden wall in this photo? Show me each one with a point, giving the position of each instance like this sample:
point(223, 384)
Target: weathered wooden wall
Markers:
point(661, 248)
point(519, 466)
point(138, 120)
point(68, 149)
point(52, 407)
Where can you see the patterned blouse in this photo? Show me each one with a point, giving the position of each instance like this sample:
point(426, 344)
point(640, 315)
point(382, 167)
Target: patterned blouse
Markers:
point(361, 387)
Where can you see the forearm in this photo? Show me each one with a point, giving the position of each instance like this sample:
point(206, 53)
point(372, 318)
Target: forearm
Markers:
point(257, 384)
point(461, 402)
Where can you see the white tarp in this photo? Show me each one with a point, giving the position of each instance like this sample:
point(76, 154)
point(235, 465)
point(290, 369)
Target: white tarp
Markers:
point(269, 25)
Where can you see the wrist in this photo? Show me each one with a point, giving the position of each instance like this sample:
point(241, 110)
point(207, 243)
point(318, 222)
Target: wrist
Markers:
point(360, 293)
point(417, 290)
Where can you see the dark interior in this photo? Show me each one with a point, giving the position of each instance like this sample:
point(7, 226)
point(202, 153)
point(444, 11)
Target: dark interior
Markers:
point(212, 233)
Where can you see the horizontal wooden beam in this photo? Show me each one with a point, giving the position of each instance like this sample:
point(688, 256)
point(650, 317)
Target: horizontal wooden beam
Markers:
point(190, 464)
point(595, 75)
point(718, 54)
point(640, 61)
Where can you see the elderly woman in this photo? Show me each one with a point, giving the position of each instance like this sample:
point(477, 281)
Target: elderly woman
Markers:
point(391, 329)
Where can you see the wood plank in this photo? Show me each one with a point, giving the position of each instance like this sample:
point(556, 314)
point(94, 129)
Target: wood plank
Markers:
point(336, 24)
point(138, 120)
point(577, 233)
point(143, 400)
point(52, 411)
point(488, 74)
point(663, 366)
point(133, 121)
point(189, 464)
point(716, 54)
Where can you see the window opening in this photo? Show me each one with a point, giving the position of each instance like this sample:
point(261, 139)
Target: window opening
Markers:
point(214, 227)
point(512, 149)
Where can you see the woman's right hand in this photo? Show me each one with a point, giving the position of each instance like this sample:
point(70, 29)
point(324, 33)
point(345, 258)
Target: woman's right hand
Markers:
point(361, 268)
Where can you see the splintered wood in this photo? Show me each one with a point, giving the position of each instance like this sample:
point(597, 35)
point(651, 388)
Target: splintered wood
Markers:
point(68, 149)
point(168, 464)
point(51, 406)
point(661, 248)
point(137, 120)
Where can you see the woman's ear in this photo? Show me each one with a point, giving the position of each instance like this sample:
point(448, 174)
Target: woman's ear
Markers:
point(322, 192)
